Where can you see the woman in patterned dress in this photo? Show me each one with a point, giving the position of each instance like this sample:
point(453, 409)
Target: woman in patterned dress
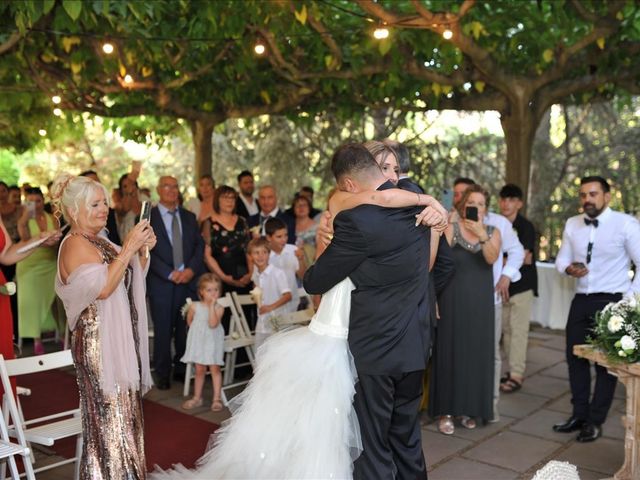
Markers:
point(102, 287)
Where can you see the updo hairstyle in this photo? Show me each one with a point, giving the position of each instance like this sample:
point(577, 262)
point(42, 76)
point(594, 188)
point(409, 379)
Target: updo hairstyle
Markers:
point(69, 192)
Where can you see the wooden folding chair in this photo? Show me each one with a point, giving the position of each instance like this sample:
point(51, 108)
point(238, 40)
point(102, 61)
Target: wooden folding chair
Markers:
point(293, 319)
point(8, 449)
point(43, 430)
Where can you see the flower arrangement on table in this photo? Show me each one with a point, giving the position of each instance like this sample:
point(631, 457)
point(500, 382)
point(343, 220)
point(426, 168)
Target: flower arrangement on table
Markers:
point(617, 330)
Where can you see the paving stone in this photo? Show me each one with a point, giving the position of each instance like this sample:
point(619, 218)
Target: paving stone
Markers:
point(604, 455)
point(613, 427)
point(513, 451)
point(437, 447)
point(531, 368)
point(519, 405)
point(464, 469)
point(480, 432)
point(559, 370)
point(544, 386)
point(545, 356)
point(563, 404)
point(556, 342)
point(540, 425)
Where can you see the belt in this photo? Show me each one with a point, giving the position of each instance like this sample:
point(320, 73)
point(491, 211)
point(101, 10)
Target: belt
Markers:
point(599, 294)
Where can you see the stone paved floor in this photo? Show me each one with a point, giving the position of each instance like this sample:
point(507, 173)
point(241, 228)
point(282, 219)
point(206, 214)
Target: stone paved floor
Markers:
point(513, 448)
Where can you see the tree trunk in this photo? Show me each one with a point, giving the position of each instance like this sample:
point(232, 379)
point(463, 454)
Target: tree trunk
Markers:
point(201, 133)
point(519, 126)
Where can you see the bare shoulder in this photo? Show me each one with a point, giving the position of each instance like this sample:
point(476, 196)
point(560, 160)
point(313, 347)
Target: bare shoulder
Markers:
point(76, 251)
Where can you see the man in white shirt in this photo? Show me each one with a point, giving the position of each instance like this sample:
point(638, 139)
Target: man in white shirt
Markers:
point(505, 271)
point(268, 198)
point(246, 205)
point(597, 249)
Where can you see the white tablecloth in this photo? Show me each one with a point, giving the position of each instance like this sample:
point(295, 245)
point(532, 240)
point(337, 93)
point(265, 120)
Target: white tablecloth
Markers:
point(555, 293)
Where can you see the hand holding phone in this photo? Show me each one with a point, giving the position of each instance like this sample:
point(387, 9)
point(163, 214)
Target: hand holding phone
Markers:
point(145, 214)
point(471, 213)
point(136, 167)
point(31, 209)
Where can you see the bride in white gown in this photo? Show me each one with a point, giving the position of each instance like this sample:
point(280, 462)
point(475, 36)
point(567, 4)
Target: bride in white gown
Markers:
point(295, 419)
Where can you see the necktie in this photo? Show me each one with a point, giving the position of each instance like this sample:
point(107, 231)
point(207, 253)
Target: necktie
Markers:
point(593, 222)
point(176, 240)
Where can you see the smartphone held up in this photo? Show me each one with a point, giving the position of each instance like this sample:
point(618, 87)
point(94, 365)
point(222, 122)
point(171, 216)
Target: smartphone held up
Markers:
point(471, 213)
point(145, 214)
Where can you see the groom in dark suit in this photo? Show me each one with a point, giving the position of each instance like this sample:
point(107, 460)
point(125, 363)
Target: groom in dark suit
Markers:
point(176, 263)
point(386, 256)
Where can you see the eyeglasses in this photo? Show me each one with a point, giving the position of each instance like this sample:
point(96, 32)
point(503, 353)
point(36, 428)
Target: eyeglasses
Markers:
point(169, 187)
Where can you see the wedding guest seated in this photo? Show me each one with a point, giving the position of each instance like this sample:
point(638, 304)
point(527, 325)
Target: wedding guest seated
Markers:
point(463, 356)
point(36, 274)
point(202, 206)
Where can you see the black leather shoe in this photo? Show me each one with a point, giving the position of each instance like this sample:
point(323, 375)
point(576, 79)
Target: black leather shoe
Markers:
point(589, 433)
point(571, 425)
point(163, 384)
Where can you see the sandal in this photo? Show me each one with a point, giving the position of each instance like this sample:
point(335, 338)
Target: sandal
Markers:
point(217, 406)
point(468, 422)
point(445, 425)
point(510, 385)
point(191, 404)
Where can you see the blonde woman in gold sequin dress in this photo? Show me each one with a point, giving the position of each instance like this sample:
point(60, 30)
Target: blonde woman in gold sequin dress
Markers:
point(103, 289)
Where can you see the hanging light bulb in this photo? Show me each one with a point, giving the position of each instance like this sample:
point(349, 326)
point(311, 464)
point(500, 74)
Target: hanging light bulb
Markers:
point(108, 48)
point(42, 132)
point(57, 112)
point(447, 34)
point(259, 48)
point(128, 78)
point(56, 99)
point(381, 33)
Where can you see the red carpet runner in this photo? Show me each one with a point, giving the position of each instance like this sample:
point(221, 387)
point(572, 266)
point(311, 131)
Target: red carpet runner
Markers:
point(170, 436)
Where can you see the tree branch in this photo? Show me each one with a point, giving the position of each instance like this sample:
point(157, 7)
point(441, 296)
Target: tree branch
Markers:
point(10, 42)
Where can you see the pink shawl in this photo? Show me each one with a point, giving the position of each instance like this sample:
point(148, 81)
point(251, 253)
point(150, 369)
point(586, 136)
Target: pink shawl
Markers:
point(119, 359)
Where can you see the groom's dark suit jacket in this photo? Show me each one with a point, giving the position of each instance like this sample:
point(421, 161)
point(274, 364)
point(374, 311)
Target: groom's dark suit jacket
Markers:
point(386, 256)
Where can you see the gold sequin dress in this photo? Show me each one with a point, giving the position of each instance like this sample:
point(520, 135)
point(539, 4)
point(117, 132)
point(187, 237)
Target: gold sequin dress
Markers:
point(113, 447)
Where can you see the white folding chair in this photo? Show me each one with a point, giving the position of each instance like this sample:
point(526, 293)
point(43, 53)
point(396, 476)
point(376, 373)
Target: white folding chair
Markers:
point(299, 318)
point(43, 430)
point(8, 449)
point(225, 302)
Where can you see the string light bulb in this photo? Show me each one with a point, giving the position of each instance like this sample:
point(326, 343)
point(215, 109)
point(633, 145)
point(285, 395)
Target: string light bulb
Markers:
point(447, 34)
point(56, 99)
point(108, 48)
point(128, 78)
point(381, 33)
point(259, 48)
point(57, 112)
point(42, 132)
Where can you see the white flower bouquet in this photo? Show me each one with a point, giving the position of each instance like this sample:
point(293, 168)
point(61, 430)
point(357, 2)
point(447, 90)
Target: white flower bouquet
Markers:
point(185, 308)
point(617, 330)
point(8, 289)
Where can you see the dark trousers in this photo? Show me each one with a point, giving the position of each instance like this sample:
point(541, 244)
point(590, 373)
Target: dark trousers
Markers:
point(167, 324)
point(387, 408)
point(581, 321)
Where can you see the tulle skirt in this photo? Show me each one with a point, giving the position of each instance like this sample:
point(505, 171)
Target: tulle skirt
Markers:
point(295, 419)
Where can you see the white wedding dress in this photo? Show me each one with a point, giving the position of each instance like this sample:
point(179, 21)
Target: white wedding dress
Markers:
point(295, 419)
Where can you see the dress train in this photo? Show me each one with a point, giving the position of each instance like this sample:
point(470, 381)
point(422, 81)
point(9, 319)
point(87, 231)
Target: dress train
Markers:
point(295, 419)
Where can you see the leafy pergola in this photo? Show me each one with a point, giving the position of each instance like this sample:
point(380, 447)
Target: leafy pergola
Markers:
point(195, 60)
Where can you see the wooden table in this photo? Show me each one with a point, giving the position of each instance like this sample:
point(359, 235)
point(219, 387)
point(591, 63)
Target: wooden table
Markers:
point(629, 375)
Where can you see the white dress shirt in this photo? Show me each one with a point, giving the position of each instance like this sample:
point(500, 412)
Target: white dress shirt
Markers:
point(511, 246)
point(252, 207)
point(287, 261)
point(615, 244)
point(273, 283)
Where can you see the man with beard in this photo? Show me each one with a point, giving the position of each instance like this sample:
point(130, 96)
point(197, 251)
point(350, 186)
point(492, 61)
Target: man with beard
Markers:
point(597, 249)
point(246, 205)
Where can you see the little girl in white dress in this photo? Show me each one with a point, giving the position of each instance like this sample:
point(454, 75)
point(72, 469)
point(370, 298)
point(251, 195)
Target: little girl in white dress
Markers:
point(205, 340)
